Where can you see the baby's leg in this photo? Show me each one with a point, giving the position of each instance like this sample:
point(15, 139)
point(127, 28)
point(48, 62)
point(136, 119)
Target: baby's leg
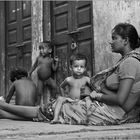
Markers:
point(58, 106)
point(40, 92)
point(51, 83)
point(46, 95)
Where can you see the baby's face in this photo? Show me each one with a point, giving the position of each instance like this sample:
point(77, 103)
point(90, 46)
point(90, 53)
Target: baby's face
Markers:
point(44, 49)
point(79, 67)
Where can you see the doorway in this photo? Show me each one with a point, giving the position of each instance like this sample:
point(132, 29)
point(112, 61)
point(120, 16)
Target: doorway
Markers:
point(72, 31)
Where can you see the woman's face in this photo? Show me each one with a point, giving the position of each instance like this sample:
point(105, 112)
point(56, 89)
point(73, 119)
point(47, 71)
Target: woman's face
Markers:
point(117, 43)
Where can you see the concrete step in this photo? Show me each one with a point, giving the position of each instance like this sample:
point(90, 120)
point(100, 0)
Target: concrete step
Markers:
point(25, 130)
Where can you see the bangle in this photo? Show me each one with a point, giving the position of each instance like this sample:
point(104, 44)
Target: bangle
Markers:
point(98, 96)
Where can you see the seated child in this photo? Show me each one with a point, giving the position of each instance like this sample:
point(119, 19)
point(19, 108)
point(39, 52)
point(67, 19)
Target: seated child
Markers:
point(76, 84)
point(24, 88)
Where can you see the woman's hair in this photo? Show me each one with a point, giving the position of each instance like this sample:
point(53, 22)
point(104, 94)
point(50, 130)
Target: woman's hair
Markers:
point(17, 73)
point(127, 30)
point(78, 56)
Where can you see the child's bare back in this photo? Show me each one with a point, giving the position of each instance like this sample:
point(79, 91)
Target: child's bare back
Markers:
point(24, 88)
point(25, 92)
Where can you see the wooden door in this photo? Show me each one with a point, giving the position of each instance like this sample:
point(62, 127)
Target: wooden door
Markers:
point(18, 36)
point(72, 23)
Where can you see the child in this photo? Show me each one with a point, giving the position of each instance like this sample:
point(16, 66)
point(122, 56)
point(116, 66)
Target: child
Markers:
point(24, 88)
point(76, 84)
point(45, 66)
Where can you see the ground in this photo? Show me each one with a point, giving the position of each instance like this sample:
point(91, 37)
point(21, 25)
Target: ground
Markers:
point(25, 130)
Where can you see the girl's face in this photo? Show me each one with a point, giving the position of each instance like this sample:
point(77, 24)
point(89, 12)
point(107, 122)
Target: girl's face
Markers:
point(79, 67)
point(117, 43)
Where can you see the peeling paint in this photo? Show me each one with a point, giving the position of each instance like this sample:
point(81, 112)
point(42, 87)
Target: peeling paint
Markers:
point(106, 14)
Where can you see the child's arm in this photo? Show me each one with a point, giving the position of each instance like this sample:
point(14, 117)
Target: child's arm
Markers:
point(33, 67)
point(62, 87)
point(11, 93)
point(55, 63)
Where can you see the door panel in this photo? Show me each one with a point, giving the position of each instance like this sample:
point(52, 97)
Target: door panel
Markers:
point(18, 36)
point(84, 26)
point(71, 23)
point(60, 38)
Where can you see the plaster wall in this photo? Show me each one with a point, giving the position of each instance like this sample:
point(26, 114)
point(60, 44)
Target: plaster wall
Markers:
point(106, 14)
point(37, 26)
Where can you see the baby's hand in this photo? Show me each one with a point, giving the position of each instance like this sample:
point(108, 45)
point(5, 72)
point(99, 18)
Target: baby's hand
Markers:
point(56, 59)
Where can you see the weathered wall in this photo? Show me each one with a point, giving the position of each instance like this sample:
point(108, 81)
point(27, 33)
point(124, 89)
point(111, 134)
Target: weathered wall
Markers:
point(37, 26)
point(106, 14)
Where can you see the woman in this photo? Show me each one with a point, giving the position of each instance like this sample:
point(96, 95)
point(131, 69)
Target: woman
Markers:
point(117, 90)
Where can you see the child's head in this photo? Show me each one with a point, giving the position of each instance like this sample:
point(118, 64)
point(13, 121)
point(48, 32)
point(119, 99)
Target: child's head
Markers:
point(45, 48)
point(78, 64)
point(17, 73)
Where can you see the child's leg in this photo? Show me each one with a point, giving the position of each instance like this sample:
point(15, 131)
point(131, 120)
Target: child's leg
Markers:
point(88, 104)
point(17, 111)
point(58, 106)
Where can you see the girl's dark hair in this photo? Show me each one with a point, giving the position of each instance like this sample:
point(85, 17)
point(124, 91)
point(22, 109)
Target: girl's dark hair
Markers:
point(78, 56)
point(127, 30)
point(17, 73)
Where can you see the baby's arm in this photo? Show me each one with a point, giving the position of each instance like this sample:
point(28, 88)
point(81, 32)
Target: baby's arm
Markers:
point(33, 67)
point(63, 85)
point(55, 63)
point(11, 93)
